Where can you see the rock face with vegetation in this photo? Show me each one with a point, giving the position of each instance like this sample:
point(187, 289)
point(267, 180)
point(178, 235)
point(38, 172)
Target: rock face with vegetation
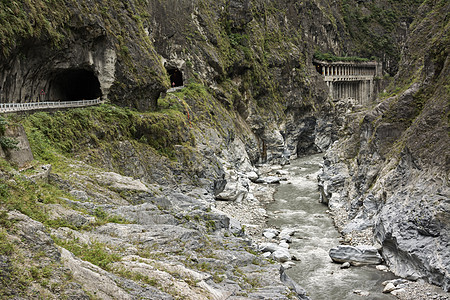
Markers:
point(387, 177)
point(129, 207)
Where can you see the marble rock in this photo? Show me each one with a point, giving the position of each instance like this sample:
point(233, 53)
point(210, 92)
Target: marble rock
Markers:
point(282, 255)
point(355, 254)
point(271, 233)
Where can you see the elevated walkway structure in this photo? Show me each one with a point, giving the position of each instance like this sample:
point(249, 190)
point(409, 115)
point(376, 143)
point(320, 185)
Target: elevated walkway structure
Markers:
point(18, 107)
point(351, 81)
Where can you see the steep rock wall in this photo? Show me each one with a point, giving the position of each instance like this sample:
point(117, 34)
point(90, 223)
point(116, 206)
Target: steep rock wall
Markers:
point(251, 95)
point(387, 179)
point(49, 48)
point(255, 55)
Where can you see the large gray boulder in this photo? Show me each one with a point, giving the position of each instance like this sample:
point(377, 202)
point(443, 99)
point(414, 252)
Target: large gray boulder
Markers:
point(21, 155)
point(282, 255)
point(356, 255)
point(234, 191)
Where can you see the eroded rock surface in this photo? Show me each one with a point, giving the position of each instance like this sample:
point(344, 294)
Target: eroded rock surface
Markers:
point(359, 255)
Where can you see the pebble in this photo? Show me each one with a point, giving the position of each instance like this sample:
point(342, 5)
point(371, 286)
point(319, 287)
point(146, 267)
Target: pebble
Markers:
point(419, 290)
point(295, 257)
point(286, 234)
point(282, 255)
point(396, 292)
point(345, 265)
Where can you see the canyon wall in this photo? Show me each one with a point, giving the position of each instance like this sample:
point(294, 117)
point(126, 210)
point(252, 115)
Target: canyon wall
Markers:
point(386, 178)
point(250, 95)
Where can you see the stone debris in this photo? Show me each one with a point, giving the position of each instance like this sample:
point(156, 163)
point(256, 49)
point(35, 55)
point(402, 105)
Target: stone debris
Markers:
point(42, 174)
point(295, 255)
point(268, 247)
point(389, 287)
point(253, 176)
point(234, 191)
point(288, 264)
point(271, 233)
point(284, 244)
point(286, 234)
point(412, 290)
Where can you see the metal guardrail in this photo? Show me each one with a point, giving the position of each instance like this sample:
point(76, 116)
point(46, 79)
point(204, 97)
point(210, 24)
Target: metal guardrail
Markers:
point(15, 107)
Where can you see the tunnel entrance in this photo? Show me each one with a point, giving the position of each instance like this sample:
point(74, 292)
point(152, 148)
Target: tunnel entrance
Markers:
point(74, 84)
point(318, 68)
point(176, 77)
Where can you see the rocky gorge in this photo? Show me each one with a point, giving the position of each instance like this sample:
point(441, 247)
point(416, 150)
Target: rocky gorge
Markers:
point(161, 193)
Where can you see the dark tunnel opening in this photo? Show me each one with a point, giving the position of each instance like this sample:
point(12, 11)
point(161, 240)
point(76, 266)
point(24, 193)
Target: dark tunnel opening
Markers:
point(319, 68)
point(176, 77)
point(74, 84)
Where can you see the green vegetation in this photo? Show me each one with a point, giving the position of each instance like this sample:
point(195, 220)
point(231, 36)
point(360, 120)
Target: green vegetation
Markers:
point(6, 248)
point(18, 272)
point(95, 252)
point(251, 51)
point(135, 276)
point(26, 197)
point(31, 19)
point(103, 218)
point(74, 132)
point(56, 22)
point(6, 142)
point(373, 26)
point(333, 58)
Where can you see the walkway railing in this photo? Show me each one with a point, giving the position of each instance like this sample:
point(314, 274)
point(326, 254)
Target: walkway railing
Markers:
point(15, 107)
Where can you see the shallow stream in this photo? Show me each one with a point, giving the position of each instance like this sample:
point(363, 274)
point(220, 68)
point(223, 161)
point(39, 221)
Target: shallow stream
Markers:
point(297, 206)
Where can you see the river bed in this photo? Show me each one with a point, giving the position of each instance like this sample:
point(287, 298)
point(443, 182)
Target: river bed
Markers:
point(297, 206)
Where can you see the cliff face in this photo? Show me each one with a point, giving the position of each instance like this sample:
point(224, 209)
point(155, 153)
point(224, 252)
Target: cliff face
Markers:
point(387, 178)
point(251, 95)
point(72, 50)
point(85, 230)
point(255, 57)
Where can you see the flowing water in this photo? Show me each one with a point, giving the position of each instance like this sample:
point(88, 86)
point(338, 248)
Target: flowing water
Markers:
point(297, 206)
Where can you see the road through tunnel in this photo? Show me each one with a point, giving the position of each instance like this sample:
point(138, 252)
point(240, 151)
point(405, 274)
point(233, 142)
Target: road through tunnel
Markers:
point(74, 84)
point(176, 77)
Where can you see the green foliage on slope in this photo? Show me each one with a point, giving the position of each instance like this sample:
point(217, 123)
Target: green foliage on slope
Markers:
point(333, 58)
point(376, 27)
point(31, 19)
point(74, 132)
point(57, 23)
point(6, 142)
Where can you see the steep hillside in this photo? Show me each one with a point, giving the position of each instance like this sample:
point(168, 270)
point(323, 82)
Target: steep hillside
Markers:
point(83, 229)
point(387, 178)
point(120, 199)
